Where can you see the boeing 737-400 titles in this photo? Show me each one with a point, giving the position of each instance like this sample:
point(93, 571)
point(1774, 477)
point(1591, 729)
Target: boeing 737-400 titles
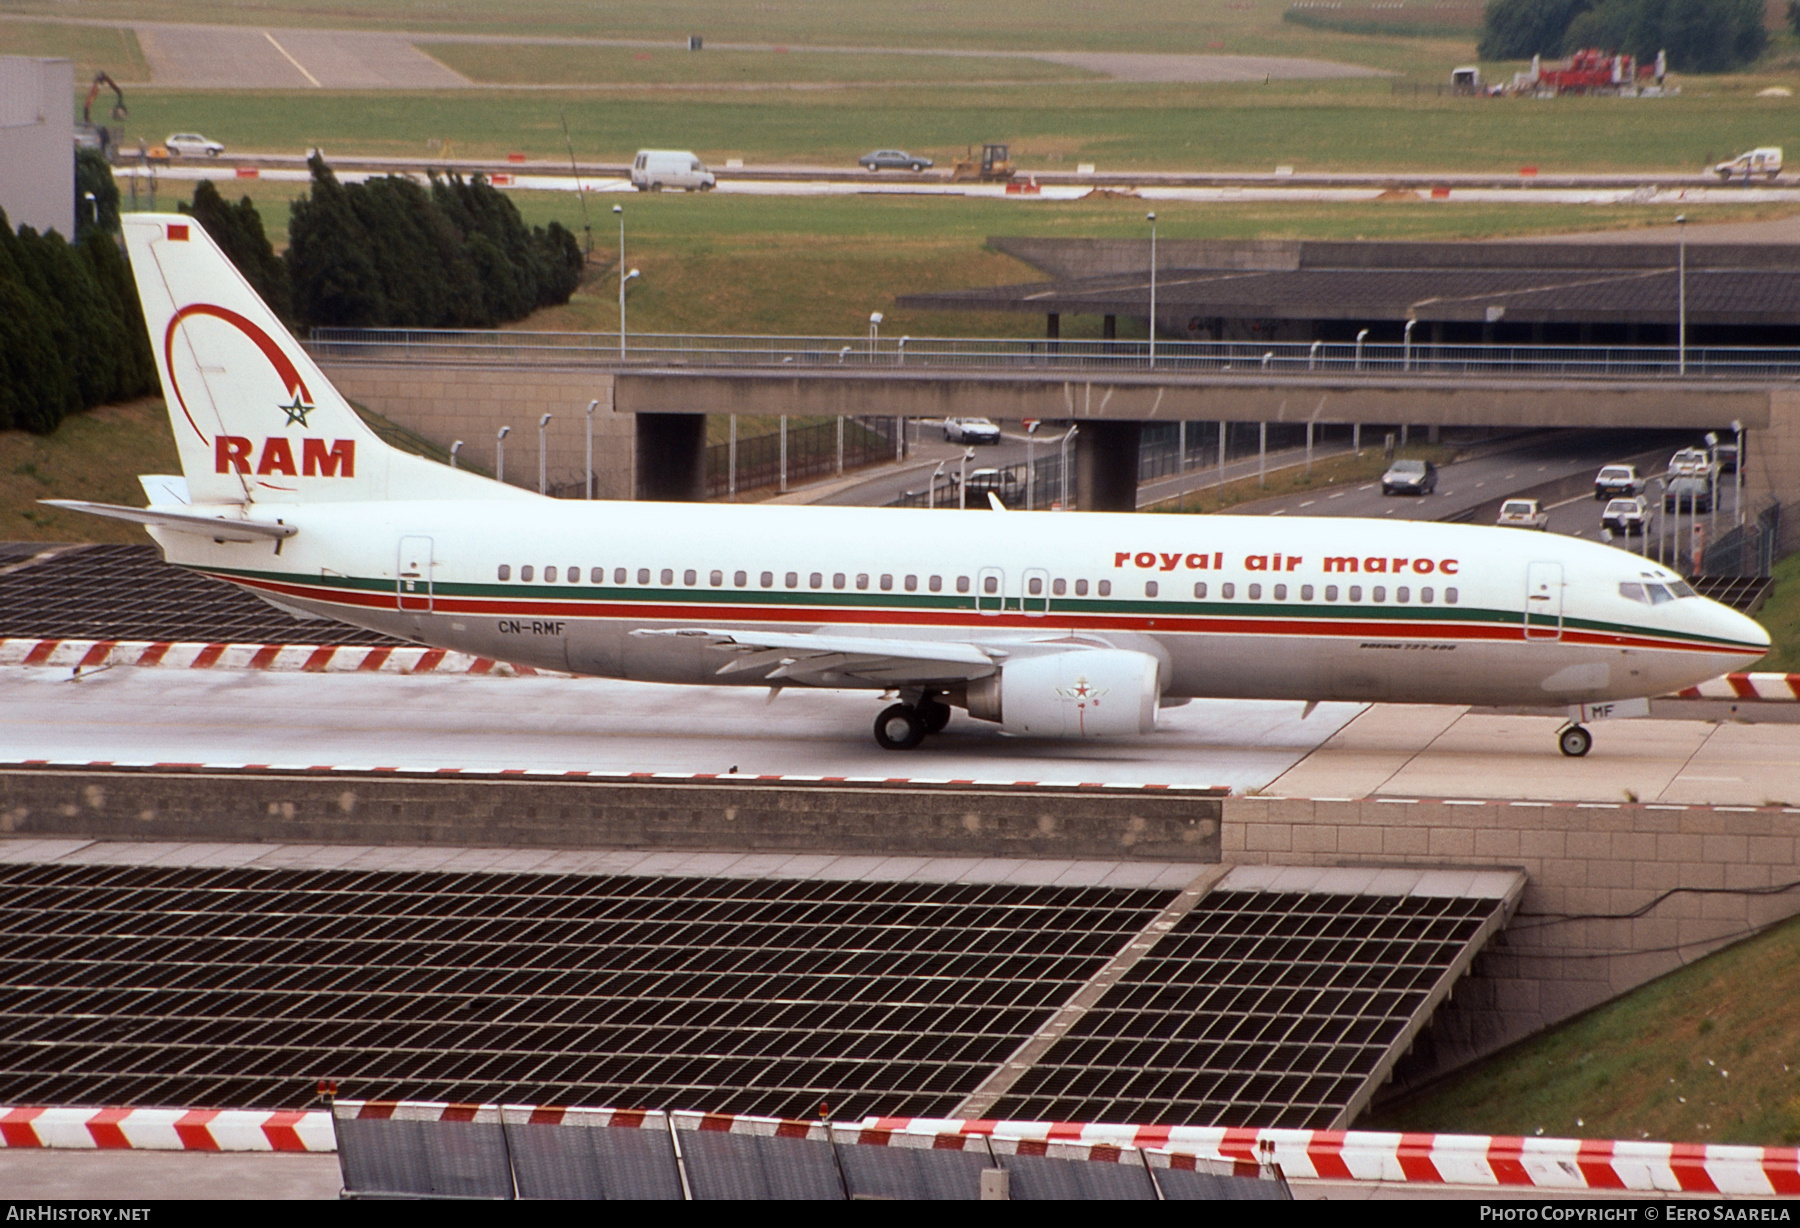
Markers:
point(1055, 625)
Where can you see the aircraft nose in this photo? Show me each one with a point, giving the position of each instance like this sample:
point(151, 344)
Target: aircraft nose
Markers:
point(1742, 629)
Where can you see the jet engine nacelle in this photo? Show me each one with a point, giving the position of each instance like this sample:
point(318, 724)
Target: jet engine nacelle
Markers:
point(1089, 693)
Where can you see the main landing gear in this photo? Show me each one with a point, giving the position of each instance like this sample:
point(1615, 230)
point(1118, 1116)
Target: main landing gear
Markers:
point(903, 726)
point(1574, 741)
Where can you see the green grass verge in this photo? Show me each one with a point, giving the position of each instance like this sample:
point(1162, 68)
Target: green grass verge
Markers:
point(94, 455)
point(1780, 617)
point(93, 49)
point(566, 65)
point(1708, 1054)
point(1312, 126)
point(1327, 474)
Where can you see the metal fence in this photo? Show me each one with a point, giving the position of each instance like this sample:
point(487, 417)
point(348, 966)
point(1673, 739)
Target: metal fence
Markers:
point(1174, 358)
point(799, 453)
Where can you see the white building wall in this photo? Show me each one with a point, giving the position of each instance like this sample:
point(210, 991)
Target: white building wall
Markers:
point(37, 143)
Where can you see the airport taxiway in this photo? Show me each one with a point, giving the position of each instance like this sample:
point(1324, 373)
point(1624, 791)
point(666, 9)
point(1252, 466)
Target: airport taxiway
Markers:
point(476, 724)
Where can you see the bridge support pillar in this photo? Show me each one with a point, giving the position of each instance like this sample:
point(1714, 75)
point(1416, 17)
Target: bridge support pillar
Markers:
point(1106, 466)
point(671, 458)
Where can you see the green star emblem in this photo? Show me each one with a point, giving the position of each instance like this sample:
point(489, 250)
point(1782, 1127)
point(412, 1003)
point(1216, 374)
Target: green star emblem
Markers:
point(297, 411)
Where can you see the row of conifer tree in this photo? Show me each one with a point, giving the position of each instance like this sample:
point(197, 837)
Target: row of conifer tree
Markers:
point(385, 253)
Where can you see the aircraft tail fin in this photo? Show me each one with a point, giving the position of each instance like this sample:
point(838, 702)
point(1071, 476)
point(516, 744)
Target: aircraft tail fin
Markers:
point(255, 420)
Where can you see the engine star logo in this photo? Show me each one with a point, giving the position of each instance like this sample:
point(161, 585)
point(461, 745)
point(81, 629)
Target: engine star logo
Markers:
point(296, 411)
point(1082, 691)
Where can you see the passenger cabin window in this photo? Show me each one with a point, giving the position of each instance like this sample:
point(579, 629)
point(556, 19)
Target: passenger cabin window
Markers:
point(668, 575)
point(1306, 592)
point(1255, 592)
point(506, 571)
point(618, 575)
point(937, 584)
point(1449, 596)
point(793, 579)
point(1425, 596)
point(837, 579)
point(1356, 592)
point(862, 580)
point(1081, 588)
point(717, 578)
point(1281, 592)
point(962, 584)
point(817, 579)
point(1228, 591)
point(525, 573)
point(1106, 588)
point(887, 583)
point(990, 584)
point(912, 584)
point(1200, 590)
point(597, 576)
point(740, 578)
point(1378, 593)
point(768, 579)
point(550, 575)
point(574, 574)
point(689, 576)
point(1331, 592)
point(1059, 588)
point(1035, 586)
point(643, 575)
point(1403, 594)
point(1149, 588)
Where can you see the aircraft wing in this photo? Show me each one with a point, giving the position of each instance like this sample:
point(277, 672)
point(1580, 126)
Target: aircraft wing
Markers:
point(219, 528)
point(830, 660)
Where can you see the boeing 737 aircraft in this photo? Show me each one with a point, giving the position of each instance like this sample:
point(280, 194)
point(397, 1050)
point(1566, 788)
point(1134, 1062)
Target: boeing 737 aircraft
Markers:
point(1073, 625)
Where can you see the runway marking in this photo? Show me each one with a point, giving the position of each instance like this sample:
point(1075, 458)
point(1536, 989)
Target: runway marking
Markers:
point(290, 59)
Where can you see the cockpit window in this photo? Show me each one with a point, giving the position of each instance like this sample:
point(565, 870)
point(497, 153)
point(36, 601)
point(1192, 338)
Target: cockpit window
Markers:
point(1682, 590)
point(1633, 592)
point(1658, 594)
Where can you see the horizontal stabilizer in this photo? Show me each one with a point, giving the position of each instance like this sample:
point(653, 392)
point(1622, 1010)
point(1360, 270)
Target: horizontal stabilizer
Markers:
point(218, 528)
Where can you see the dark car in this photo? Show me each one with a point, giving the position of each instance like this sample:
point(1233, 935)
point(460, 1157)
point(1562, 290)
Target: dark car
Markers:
point(1409, 477)
point(892, 160)
point(1688, 494)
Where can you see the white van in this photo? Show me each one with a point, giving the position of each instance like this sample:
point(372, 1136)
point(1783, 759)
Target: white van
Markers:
point(656, 169)
point(1765, 160)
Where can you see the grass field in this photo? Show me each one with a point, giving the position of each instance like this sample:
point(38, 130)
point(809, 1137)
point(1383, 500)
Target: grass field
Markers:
point(566, 65)
point(1339, 126)
point(92, 48)
point(1708, 1054)
point(94, 455)
point(1233, 27)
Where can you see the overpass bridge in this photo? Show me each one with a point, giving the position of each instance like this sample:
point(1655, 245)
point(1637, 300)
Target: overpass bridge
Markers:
point(654, 392)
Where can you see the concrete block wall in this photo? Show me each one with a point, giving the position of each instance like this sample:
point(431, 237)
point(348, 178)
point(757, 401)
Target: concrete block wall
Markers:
point(1772, 464)
point(446, 403)
point(1617, 894)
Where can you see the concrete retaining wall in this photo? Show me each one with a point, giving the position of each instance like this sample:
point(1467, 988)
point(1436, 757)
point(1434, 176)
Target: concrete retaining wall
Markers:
point(1618, 894)
point(447, 403)
point(126, 804)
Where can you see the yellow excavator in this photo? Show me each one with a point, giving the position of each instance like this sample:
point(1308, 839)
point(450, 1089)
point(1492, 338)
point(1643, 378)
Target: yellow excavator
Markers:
point(995, 164)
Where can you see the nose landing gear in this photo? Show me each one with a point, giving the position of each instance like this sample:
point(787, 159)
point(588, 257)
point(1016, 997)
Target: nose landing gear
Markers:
point(1574, 741)
point(903, 726)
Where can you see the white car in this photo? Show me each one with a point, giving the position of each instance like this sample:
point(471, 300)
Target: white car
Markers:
point(1626, 517)
point(970, 430)
point(1765, 160)
point(192, 145)
point(1523, 514)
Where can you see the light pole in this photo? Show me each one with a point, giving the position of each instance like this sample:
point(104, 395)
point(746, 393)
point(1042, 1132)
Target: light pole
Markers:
point(1681, 294)
point(874, 334)
point(1066, 485)
point(623, 277)
point(543, 456)
point(1151, 218)
point(1737, 473)
point(1360, 338)
point(931, 486)
point(454, 449)
point(590, 446)
point(500, 453)
point(962, 481)
point(1030, 465)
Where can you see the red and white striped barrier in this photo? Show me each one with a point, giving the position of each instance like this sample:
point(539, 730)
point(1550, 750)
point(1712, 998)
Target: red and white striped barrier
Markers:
point(1429, 1159)
point(1778, 687)
point(355, 659)
point(167, 1129)
point(282, 658)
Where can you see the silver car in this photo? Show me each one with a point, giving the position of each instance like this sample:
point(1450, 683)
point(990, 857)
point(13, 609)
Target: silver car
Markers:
point(970, 430)
point(192, 145)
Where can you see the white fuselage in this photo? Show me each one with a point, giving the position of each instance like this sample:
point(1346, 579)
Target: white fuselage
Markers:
point(1307, 609)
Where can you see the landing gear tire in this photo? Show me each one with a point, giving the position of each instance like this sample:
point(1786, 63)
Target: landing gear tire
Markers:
point(1574, 741)
point(934, 715)
point(899, 727)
